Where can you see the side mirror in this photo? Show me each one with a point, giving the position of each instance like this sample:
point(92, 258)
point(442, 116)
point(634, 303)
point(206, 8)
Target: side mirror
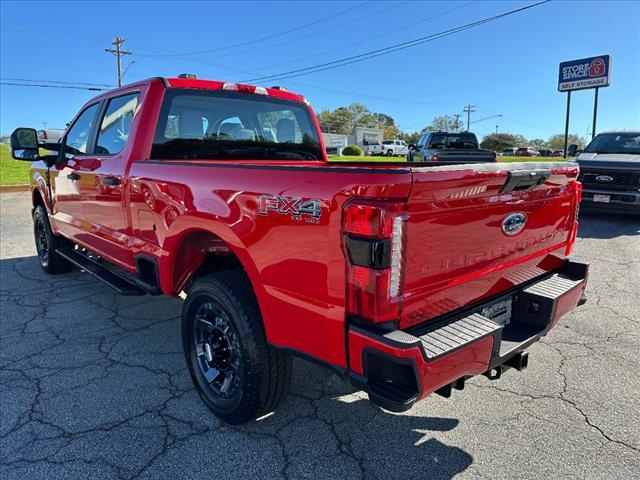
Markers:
point(24, 144)
point(572, 150)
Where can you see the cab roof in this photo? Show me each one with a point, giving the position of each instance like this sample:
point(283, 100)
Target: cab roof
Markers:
point(196, 83)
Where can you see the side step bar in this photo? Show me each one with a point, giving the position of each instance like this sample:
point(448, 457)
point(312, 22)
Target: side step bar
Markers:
point(118, 283)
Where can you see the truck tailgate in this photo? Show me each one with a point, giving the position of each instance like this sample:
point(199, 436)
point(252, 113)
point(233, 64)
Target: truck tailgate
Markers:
point(465, 156)
point(463, 242)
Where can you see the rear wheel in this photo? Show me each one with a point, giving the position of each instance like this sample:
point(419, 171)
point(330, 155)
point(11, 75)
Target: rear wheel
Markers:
point(389, 153)
point(236, 373)
point(47, 243)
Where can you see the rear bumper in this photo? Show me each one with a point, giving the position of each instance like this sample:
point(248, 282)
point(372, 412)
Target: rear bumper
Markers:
point(397, 368)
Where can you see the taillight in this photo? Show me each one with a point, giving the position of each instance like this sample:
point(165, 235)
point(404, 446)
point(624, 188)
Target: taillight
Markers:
point(374, 238)
point(434, 157)
point(577, 192)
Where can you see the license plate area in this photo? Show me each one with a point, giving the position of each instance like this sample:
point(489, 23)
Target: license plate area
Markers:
point(601, 198)
point(499, 311)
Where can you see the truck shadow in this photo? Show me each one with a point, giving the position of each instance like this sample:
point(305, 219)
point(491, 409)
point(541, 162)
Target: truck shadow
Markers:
point(607, 225)
point(380, 443)
point(324, 429)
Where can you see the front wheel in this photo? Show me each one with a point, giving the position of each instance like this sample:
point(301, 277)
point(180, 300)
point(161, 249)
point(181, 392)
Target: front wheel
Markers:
point(236, 373)
point(47, 244)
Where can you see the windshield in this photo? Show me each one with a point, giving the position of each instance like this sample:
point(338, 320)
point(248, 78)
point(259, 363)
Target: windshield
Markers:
point(453, 140)
point(615, 143)
point(197, 124)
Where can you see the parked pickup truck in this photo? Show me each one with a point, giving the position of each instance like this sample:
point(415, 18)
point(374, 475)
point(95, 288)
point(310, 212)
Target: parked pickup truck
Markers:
point(392, 148)
point(449, 148)
point(374, 149)
point(171, 186)
point(610, 172)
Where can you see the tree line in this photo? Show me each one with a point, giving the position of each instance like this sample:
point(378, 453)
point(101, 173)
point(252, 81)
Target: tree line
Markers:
point(343, 120)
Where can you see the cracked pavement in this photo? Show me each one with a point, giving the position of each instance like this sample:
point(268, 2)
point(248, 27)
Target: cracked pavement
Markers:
point(93, 385)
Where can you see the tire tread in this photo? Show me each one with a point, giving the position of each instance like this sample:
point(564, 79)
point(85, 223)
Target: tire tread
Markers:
point(268, 371)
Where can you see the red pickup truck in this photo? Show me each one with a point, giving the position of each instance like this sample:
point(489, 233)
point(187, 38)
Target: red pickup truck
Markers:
point(406, 279)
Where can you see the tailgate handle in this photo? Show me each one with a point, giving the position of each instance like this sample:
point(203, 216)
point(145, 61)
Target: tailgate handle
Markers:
point(524, 179)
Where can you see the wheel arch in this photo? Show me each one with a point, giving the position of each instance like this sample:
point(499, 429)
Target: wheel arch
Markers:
point(200, 249)
point(36, 199)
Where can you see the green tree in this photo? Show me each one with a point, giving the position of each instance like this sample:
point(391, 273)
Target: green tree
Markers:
point(343, 120)
point(410, 138)
point(445, 123)
point(521, 141)
point(556, 142)
point(538, 143)
point(500, 141)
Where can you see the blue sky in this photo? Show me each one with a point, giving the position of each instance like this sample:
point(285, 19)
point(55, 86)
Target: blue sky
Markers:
point(509, 66)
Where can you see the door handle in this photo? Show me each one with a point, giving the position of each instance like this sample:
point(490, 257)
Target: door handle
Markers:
point(73, 176)
point(111, 181)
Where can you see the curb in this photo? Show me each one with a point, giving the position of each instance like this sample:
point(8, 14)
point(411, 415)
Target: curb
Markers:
point(14, 188)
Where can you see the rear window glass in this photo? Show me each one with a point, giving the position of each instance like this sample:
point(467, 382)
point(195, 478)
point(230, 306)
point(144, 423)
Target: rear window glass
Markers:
point(197, 124)
point(453, 140)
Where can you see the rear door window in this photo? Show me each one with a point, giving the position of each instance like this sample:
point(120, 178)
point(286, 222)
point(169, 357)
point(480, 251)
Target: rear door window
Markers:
point(116, 124)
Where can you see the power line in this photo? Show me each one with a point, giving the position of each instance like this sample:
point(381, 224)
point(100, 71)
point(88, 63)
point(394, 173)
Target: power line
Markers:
point(75, 87)
point(390, 49)
point(57, 81)
point(513, 120)
point(368, 39)
point(261, 39)
point(100, 36)
point(315, 34)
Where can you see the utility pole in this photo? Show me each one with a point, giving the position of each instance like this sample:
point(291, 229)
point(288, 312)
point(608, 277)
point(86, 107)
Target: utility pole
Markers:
point(118, 53)
point(496, 129)
point(457, 115)
point(469, 109)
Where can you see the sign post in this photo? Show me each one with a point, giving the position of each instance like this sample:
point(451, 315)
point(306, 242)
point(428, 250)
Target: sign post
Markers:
point(566, 124)
point(582, 74)
point(595, 113)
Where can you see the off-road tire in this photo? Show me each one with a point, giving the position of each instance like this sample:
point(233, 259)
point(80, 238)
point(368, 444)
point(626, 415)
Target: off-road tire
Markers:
point(47, 243)
point(264, 372)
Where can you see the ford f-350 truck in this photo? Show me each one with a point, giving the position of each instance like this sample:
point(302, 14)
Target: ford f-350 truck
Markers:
point(406, 279)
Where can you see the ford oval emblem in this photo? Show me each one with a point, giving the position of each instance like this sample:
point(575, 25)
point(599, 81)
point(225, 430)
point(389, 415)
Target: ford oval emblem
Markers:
point(512, 224)
point(604, 178)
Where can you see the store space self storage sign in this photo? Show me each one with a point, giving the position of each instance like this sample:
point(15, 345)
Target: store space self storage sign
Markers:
point(585, 73)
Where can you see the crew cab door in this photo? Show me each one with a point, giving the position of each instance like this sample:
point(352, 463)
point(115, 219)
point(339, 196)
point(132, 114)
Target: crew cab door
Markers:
point(104, 181)
point(66, 176)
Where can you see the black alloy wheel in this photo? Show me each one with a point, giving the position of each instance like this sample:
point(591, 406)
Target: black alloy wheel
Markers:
point(217, 350)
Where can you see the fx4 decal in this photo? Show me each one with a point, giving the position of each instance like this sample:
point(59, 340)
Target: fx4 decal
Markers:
point(294, 206)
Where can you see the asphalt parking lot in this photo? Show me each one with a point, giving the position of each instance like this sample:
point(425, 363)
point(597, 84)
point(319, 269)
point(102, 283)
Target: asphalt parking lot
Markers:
point(94, 385)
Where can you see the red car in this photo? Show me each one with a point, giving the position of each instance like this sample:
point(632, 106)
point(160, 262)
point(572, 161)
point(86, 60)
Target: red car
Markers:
point(405, 279)
point(527, 152)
